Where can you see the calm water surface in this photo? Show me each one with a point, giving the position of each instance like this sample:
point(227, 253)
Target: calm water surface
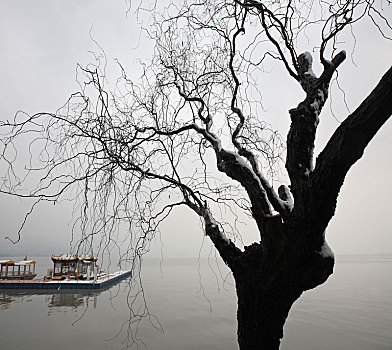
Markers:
point(191, 304)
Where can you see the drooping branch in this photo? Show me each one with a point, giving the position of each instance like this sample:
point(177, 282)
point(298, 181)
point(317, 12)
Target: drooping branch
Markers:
point(231, 163)
point(341, 16)
point(272, 24)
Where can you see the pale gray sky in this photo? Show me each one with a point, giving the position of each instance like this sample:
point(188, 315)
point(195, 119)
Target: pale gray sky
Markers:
point(41, 42)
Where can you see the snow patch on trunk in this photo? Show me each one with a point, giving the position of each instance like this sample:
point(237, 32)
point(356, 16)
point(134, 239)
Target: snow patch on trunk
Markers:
point(326, 251)
point(308, 57)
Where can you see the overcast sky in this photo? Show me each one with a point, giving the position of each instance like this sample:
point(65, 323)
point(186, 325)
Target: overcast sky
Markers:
point(42, 41)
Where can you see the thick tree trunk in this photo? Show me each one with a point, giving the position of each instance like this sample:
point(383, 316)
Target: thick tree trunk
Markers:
point(261, 314)
point(271, 276)
point(266, 297)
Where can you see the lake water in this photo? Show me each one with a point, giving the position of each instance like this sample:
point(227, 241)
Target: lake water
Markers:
point(191, 304)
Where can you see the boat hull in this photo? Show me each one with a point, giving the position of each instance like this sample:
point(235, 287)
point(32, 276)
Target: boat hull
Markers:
point(67, 284)
point(20, 277)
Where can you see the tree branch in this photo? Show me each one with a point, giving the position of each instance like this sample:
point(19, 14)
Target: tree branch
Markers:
point(304, 122)
point(345, 147)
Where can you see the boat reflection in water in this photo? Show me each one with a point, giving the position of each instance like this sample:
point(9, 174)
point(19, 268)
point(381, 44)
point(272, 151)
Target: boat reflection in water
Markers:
point(73, 301)
point(53, 298)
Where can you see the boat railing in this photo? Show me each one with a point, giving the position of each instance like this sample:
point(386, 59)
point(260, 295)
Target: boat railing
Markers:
point(22, 269)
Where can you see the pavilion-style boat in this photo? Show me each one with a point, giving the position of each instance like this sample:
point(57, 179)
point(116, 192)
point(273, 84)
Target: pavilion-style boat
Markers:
point(22, 270)
point(83, 267)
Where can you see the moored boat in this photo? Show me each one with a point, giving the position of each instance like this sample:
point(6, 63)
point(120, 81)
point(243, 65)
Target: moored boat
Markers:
point(68, 272)
point(22, 270)
point(74, 266)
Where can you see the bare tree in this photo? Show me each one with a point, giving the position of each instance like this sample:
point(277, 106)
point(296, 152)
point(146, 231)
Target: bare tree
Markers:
point(190, 133)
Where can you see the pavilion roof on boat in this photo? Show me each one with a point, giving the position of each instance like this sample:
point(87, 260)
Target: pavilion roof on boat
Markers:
point(7, 262)
point(73, 266)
